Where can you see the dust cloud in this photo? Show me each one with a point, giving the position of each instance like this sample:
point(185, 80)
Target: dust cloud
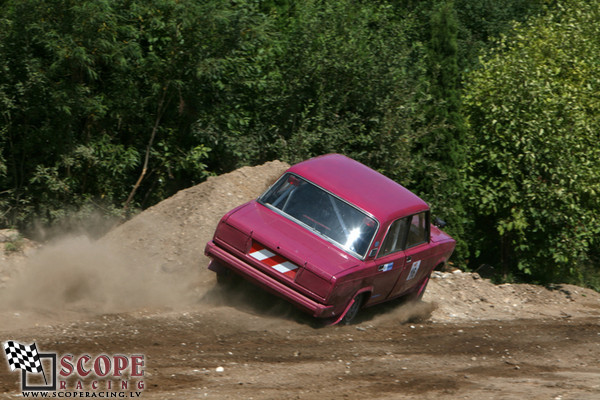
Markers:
point(79, 274)
point(409, 312)
point(250, 299)
point(397, 311)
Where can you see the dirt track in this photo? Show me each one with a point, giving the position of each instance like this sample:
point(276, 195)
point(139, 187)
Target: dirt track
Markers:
point(144, 289)
point(282, 356)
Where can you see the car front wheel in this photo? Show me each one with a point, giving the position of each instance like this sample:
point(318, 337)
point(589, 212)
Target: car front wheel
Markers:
point(417, 295)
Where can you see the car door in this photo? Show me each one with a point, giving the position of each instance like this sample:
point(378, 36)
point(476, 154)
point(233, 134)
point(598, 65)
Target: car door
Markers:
point(389, 264)
point(417, 254)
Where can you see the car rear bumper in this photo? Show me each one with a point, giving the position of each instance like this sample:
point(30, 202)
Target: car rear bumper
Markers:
point(268, 283)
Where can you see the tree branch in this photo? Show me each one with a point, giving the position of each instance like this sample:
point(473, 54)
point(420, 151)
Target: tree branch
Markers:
point(159, 113)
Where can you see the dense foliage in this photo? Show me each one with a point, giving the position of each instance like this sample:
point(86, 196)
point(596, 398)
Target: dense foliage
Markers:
point(83, 89)
point(534, 166)
point(112, 106)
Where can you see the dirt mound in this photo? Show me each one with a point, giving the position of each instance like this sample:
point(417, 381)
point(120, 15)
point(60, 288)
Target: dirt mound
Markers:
point(466, 296)
point(172, 234)
point(153, 261)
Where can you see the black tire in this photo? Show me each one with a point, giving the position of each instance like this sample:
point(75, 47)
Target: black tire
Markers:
point(353, 310)
point(227, 278)
point(223, 278)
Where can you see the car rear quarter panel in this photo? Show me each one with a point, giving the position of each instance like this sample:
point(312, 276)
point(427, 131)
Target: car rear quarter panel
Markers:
point(350, 283)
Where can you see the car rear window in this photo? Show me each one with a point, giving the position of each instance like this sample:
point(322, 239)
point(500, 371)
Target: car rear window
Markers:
point(322, 212)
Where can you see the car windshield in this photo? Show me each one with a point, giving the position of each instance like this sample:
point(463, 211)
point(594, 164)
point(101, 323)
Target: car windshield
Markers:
point(318, 210)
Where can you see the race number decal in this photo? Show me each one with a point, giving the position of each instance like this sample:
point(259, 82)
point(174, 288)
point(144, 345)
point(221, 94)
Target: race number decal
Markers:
point(413, 270)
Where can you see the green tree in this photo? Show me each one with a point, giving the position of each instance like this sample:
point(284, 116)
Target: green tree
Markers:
point(88, 89)
point(440, 180)
point(324, 76)
point(534, 159)
point(108, 104)
point(480, 22)
point(242, 88)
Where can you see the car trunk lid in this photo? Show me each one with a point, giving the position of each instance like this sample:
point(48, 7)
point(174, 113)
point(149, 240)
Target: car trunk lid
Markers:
point(285, 245)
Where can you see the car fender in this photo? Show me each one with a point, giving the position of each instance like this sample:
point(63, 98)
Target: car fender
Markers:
point(364, 290)
point(440, 262)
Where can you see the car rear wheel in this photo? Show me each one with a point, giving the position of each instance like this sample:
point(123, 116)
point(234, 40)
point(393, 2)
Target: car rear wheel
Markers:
point(227, 278)
point(223, 278)
point(353, 310)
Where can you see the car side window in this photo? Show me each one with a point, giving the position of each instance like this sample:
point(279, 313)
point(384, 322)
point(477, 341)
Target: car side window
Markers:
point(418, 232)
point(394, 240)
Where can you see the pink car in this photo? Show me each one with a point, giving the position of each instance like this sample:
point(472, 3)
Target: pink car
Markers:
point(332, 236)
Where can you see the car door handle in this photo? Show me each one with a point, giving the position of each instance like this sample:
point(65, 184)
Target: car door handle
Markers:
point(385, 267)
point(408, 259)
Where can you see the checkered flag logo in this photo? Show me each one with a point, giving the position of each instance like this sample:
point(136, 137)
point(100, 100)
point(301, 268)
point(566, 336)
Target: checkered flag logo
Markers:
point(23, 357)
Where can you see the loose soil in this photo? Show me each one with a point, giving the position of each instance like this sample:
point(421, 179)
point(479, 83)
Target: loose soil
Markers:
point(144, 289)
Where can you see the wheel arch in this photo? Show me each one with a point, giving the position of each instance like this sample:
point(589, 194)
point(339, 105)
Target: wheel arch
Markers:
point(365, 292)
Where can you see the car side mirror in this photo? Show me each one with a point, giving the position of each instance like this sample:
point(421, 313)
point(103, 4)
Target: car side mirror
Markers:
point(440, 223)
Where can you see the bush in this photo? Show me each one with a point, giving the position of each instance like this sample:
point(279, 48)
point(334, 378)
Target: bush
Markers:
point(534, 115)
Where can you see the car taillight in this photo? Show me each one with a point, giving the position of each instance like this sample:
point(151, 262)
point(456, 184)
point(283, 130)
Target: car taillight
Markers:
point(313, 282)
point(232, 236)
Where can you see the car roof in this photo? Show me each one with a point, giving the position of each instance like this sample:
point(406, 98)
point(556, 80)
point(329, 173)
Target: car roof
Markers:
point(360, 185)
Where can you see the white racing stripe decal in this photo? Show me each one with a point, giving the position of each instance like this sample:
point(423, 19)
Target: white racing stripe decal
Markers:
point(285, 267)
point(273, 260)
point(262, 254)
